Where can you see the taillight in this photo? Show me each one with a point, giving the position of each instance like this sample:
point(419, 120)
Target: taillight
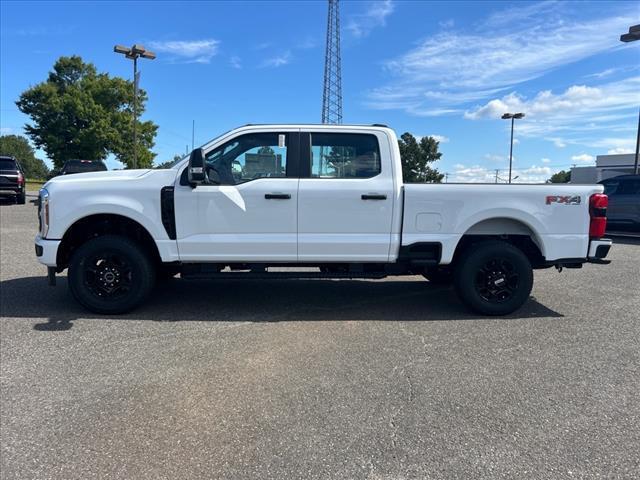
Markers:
point(598, 213)
point(20, 179)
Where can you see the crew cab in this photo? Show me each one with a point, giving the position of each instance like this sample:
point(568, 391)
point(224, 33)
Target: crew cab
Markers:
point(329, 198)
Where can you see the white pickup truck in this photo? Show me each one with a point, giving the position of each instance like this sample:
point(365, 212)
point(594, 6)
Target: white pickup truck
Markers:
point(326, 197)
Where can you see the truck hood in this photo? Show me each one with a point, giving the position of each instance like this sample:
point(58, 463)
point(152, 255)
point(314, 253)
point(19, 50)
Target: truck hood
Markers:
point(117, 175)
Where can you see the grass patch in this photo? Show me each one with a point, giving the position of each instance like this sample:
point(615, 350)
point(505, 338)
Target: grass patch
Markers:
point(34, 184)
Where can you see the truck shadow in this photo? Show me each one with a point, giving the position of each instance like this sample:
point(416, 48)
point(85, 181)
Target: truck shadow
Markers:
point(256, 301)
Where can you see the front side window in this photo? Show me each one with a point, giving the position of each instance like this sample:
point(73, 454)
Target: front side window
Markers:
point(344, 155)
point(248, 157)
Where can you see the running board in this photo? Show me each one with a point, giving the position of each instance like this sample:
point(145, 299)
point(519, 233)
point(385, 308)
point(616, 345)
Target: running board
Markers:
point(280, 275)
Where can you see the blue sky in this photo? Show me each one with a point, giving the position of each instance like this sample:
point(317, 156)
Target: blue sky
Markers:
point(447, 69)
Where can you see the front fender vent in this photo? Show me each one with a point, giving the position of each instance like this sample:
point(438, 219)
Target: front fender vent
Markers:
point(168, 211)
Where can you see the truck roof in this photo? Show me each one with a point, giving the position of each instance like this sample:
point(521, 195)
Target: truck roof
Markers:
point(321, 126)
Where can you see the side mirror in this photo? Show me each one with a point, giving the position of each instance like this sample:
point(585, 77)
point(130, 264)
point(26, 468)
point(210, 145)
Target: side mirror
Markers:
point(196, 169)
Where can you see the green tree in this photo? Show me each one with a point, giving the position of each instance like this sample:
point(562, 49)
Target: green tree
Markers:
point(265, 150)
point(560, 177)
point(80, 113)
point(168, 163)
point(417, 157)
point(18, 146)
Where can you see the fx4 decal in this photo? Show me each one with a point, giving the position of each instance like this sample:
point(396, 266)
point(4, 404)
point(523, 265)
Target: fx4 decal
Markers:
point(563, 199)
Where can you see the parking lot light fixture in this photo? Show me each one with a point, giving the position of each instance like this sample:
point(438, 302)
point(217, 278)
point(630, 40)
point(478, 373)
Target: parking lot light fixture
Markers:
point(133, 53)
point(512, 117)
point(632, 36)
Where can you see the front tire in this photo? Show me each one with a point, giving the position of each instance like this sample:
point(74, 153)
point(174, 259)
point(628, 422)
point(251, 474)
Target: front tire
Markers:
point(493, 278)
point(110, 275)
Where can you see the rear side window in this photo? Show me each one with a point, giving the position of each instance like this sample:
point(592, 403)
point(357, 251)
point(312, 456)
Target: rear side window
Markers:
point(7, 164)
point(344, 155)
point(629, 187)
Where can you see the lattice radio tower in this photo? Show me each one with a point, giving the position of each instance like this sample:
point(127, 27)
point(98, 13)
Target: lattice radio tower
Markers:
point(332, 91)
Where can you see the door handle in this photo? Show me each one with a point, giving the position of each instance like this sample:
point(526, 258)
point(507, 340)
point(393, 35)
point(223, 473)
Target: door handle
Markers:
point(373, 196)
point(277, 196)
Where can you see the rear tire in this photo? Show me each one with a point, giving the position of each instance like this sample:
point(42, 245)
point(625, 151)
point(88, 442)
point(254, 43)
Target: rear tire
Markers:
point(110, 275)
point(493, 278)
point(21, 198)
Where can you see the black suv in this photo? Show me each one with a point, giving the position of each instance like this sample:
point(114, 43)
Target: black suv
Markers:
point(624, 202)
point(82, 166)
point(12, 179)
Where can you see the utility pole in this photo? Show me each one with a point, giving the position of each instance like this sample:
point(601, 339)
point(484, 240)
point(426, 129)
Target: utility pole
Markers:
point(511, 116)
point(332, 89)
point(134, 53)
point(632, 36)
point(193, 133)
point(497, 171)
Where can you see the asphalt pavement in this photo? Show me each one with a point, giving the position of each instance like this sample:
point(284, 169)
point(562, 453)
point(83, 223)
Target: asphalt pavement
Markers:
point(390, 379)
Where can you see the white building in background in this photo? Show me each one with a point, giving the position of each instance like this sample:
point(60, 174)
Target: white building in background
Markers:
point(606, 166)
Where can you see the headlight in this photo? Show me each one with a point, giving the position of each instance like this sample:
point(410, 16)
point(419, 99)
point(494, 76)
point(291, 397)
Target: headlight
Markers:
point(43, 212)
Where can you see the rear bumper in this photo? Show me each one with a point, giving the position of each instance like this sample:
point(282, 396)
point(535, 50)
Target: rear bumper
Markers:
point(6, 190)
point(598, 250)
point(47, 251)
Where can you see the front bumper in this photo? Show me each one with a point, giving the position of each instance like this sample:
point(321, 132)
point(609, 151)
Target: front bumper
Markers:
point(598, 250)
point(47, 251)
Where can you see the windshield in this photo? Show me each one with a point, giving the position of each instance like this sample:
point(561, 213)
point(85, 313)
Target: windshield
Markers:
point(77, 166)
point(7, 164)
point(178, 160)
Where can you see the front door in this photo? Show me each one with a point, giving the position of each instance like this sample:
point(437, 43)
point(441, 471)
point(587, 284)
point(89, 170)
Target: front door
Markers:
point(345, 204)
point(247, 210)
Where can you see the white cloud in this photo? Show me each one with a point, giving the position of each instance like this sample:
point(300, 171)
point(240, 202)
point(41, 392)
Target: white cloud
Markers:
point(546, 160)
point(453, 68)
point(376, 16)
point(577, 116)
point(494, 158)
point(610, 71)
point(278, 60)
point(193, 51)
point(584, 157)
point(619, 151)
point(7, 131)
point(479, 174)
point(236, 62)
point(449, 23)
point(577, 98)
point(440, 138)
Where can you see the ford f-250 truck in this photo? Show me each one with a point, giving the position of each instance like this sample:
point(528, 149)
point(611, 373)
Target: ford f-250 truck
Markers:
point(327, 197)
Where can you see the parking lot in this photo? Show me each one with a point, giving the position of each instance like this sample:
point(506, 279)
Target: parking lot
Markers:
point(389, 379)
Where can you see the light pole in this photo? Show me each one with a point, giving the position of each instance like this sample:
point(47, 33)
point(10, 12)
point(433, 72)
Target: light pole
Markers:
point(632, 36)
point(511, 116)
point(134, 53)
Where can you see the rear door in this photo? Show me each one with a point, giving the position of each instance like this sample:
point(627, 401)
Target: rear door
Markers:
point(346, 194)
point(248, 210)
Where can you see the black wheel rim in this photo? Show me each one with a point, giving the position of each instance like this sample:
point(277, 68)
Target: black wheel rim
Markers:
point(497, 281)
point(108, 275)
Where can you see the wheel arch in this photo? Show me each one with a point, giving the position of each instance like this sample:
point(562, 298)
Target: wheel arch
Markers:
point(515, 231)
point(96, 225)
